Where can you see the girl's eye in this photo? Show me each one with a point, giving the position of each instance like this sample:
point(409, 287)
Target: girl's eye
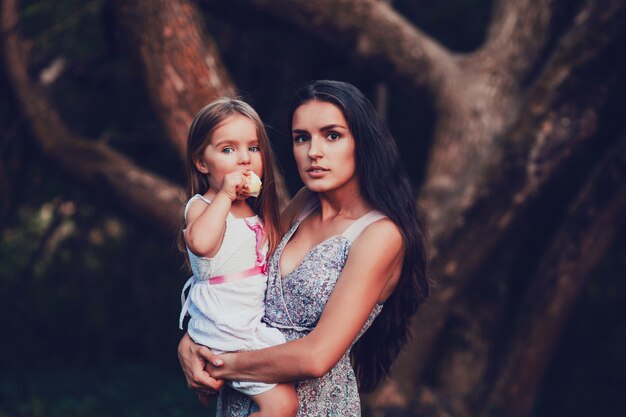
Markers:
point(300, 138)
point(333, 136)
point(254, 149)
point(228, 150)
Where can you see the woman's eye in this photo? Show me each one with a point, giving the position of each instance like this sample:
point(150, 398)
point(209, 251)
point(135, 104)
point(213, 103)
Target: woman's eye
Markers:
point(300, 138)
point(254, 149)
point(333, 136)
point(228, 150)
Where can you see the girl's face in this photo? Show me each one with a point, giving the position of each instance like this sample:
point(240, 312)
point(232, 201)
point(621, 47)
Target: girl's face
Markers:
point(323, 146)
point(234, 146)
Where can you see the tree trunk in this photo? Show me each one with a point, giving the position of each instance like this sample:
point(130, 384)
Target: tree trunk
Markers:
point(181, 63)
point(585, 234)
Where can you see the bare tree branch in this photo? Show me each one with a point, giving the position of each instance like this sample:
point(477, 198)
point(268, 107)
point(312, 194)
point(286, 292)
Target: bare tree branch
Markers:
point(373, 33)
point(516, 37)
point(489, 100)
point(586, 233)
point(100, 167)
point(181, 63)
point(557, 119)
point(483, 103)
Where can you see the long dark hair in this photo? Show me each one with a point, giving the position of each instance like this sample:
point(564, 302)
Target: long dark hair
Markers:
point(385, 187)
point(202, 127)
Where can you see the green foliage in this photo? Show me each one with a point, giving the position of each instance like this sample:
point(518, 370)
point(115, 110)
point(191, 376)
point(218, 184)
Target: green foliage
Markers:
point(122, 390)
point(79, 284)
point(53, 26)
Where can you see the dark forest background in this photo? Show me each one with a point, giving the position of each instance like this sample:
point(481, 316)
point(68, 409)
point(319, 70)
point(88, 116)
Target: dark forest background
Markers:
point(90, 287)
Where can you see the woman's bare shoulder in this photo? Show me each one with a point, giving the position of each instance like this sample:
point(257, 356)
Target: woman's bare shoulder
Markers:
point(382, 237)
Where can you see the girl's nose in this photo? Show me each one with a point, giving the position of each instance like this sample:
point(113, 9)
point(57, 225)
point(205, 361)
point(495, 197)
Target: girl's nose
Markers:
point(244, 157)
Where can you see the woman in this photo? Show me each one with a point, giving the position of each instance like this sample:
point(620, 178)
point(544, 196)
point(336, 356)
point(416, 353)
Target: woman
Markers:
point(353, 243)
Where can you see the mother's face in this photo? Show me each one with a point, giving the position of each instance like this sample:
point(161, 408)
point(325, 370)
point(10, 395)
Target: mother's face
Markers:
point(323, 146)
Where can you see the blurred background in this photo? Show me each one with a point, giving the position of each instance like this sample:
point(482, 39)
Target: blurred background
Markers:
point(509, 116)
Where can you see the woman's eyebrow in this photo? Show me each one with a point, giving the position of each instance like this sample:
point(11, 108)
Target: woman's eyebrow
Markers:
point(331, 127)
point(323, 128)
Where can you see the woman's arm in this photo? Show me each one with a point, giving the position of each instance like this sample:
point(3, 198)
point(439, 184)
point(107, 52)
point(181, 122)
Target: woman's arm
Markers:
point(370, 274)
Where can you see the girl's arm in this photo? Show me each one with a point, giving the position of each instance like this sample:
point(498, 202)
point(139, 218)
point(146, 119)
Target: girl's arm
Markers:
point(369, 276)
point(206, 222)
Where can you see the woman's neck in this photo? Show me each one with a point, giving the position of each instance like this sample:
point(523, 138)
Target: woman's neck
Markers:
point(345, 201)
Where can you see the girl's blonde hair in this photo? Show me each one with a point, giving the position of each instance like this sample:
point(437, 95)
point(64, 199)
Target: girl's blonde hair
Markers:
point(200, 132)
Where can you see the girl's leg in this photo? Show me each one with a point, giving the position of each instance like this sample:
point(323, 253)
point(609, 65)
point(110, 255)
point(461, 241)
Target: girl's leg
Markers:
point(280, 401)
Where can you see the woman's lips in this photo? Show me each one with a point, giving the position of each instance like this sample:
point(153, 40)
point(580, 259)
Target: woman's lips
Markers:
point(316, 171)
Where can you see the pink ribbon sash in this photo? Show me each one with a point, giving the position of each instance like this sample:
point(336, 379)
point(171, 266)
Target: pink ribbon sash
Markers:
point(246, 273)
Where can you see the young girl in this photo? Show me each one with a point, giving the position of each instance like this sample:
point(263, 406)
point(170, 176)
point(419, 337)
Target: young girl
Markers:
point(227, 236)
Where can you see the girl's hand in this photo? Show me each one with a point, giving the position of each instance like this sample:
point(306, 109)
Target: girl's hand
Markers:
point(235, 185)
point(193, 358)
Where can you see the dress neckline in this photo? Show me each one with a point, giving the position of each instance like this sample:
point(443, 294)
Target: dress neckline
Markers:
point(232, 216)
point(309, 208)
point(306, 255)
point(289, 235)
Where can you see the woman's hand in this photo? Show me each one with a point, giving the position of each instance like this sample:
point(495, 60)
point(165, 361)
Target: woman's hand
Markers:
point(193, 358)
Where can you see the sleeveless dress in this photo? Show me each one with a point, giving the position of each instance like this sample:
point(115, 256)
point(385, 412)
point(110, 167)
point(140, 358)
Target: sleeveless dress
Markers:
point(227, 316)
point(294, 304)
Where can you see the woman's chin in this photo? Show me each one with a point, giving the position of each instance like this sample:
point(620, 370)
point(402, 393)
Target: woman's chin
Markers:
point(316, 186)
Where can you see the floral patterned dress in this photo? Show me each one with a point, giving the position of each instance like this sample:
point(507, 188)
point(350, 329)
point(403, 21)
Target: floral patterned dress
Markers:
point(294, 304)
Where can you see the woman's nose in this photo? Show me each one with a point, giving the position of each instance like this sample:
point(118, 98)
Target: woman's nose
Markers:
point(315, 148)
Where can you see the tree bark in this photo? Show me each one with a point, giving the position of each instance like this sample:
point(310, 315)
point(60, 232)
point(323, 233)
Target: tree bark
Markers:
point(181, 63)
point(99, 167)
point(555, 121)
point(586, 233)
point(374, 34)
point(516, 37)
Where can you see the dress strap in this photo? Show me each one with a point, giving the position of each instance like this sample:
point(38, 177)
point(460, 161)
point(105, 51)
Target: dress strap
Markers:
point(259, 234)
point(309, 207)
point(194, 198)
point(354, 230)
